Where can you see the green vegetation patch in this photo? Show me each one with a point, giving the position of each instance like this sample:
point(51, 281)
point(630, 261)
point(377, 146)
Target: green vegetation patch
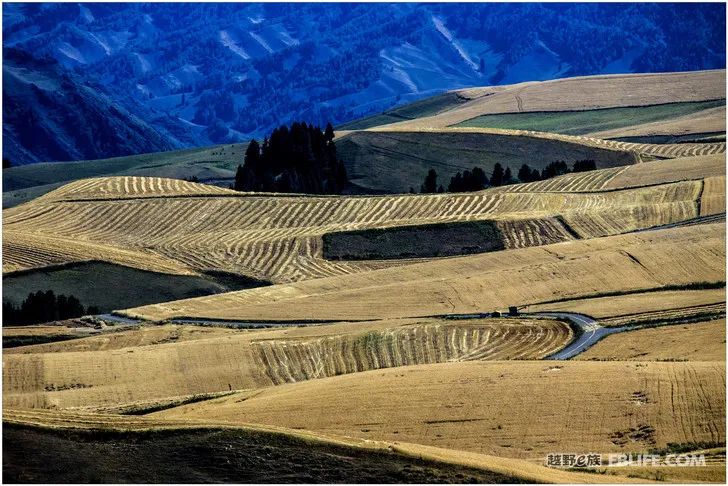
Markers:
point(420, 241)
point(109, 286)
point(587, 121)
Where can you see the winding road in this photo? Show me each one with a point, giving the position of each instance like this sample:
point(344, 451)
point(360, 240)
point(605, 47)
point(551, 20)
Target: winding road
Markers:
point(591, 333)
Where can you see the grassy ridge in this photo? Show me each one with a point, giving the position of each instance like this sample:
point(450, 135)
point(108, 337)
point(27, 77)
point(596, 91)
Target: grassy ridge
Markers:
point(581, 122)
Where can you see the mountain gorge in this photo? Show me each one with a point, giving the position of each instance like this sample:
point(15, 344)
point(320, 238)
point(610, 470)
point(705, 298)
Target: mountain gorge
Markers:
point(87, 81)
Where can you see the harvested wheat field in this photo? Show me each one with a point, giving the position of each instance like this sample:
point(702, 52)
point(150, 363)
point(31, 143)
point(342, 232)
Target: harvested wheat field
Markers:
point(278, 238)
point(135, 368)
point(479, 406)
point(703, 341)
point(479, 283)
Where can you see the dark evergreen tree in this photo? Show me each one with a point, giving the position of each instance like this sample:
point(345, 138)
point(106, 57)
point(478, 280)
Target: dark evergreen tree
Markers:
point(584, 165)
point(456, 183)
point(430, 184)
point(525, 174)
point(480, 180)
point(507, 176)
point(6, 163)
point(555, 169)
point(497, 178)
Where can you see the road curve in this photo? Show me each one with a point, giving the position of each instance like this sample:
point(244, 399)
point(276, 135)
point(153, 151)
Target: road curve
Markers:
point(591, 333)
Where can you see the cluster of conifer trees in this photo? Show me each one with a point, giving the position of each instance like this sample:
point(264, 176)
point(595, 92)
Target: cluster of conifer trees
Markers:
point(44, 307)
point(476, 179)
point(301, 158)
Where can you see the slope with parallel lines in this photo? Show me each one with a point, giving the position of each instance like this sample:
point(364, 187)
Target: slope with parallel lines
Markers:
point(172, 362)
point(181, 227)
point(482, 282)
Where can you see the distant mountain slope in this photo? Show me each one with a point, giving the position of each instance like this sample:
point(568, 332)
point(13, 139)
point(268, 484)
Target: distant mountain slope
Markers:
point(49, 115)
point(218, 73)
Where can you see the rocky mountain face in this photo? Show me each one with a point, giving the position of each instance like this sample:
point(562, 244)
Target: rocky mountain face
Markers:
point(100, 80)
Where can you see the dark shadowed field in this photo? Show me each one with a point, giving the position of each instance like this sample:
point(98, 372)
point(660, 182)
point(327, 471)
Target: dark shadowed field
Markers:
point(32, 455)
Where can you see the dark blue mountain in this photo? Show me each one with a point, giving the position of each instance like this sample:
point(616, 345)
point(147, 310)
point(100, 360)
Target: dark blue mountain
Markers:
point(192, 74)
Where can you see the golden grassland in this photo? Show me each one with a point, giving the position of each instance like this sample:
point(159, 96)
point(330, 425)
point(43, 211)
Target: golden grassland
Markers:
point(479, 283)
point(703, 341)
point(480, 406)
point(176, 362)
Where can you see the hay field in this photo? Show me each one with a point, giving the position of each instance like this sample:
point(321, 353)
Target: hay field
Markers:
point(690, 342)
point(138, 368)
point(480, 282)
point(177, 227)
point(479, 406)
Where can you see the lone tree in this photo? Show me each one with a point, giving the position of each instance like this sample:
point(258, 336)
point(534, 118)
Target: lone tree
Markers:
point(507, 176)
point(430, 184)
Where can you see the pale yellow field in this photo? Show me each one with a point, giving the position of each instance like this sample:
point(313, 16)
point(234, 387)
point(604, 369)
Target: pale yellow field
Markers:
point(712, 200)
point(153, 364)
point(581, 93)
point(620, 305)
point(482, 282)
point(480, 406)
point(661, 171)
point(688, 342)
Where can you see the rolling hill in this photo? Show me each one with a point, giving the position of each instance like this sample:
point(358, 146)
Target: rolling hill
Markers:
point(411, 336)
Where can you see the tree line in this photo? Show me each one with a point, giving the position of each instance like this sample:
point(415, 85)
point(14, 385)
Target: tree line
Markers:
point(301, 158)
point(45, 306)
point(476, 179)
